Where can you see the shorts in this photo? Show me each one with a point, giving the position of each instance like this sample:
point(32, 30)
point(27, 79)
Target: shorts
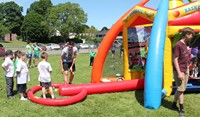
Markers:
point(28, 56)
point(21, 88)
point(181, 84)
point(66, 66)
point(36, 56)
point(113, 51)
point(45, 84)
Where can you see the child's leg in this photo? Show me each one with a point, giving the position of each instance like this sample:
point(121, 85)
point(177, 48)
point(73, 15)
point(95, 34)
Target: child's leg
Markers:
point(51, 91)
point(9, 86)
point(43, 92)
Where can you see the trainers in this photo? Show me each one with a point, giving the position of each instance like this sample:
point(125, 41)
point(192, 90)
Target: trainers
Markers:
point(182, 112)
point(23, 99)
point(10, 97)
point(174, 107)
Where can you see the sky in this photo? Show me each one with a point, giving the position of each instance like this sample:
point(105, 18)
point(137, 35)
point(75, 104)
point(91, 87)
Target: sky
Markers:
point(100, 13)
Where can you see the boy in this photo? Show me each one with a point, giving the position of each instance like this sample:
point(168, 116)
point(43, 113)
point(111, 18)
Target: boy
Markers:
point(181, 61)
point(92, 55)
point(22, 75)
point(36, 55)
point(45, 69)
point(29, 50)
point(8, 67)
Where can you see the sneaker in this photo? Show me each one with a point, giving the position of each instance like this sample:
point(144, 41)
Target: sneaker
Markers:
point(174, 107)
point(23, 99)
point(10, 97)
point(182, 112)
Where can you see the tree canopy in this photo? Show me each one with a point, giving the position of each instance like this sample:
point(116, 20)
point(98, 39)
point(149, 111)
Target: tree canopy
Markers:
point(12, 16)
point(41, 7)
point(66, 18)
point(35, 28)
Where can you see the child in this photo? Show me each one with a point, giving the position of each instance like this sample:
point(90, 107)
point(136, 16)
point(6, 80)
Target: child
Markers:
point(45, 69)
point(92, 55)
point(8, 67)
point(36, 55)
point(22, 75)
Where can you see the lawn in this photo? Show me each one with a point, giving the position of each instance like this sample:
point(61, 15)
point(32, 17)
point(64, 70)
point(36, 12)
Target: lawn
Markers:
point(121, 104)
point(17, 43)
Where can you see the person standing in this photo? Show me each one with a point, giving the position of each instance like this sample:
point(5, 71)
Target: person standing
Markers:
point(36, 54)
point(181, 61)
point(22, 75)
point(8, 67)
point(67, 62)
point(29, 51)
point(92, 55)
point(113, 49)
point(45, 70)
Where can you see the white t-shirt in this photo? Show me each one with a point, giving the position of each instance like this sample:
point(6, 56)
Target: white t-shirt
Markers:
point(69, 54)
point(23, 77)
point(9, 65)
point(44, 69)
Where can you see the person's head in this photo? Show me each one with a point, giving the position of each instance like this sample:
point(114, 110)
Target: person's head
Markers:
point(28, 41)
point(187, 33)
point(70, 45)
point(36, 43)
point(9, 53)
point(44, 55)
point(15, 53)
point(21, 55)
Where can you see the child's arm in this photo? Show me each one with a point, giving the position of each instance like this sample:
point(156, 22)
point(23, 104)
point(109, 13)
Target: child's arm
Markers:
point(4, 66)
point(5, 69)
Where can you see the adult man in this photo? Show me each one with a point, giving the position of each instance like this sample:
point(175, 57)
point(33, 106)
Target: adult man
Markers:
point(67, 62)
point(181, 60)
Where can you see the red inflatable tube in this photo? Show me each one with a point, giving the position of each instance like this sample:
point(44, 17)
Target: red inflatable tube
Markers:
point(79, 92)
point(96, 88)
point(56, 102)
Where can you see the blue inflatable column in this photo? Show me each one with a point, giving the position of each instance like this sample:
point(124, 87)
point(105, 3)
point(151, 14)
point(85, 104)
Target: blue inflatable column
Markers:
point(154, 67)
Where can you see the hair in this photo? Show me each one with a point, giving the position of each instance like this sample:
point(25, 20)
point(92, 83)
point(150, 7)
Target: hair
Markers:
point(44, 55)
point(9, 52)
point(187, 30)
point(71, 43)
point(15, 53)
point(20, 53)
point(28, 41)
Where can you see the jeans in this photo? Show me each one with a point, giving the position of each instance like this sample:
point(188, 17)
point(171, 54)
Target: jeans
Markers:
point(9, 86)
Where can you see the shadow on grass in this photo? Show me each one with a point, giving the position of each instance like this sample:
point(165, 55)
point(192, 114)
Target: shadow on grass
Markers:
point(139, 94)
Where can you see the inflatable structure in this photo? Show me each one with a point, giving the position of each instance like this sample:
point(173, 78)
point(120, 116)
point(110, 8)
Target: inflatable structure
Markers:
point(148, 34)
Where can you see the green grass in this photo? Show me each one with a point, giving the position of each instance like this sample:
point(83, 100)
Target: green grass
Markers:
point(13, 43)
point(123, 104)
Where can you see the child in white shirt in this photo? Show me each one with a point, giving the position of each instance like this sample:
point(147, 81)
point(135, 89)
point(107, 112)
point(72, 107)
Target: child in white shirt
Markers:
point(8, 67)
point(22, 75)
point(45, 69)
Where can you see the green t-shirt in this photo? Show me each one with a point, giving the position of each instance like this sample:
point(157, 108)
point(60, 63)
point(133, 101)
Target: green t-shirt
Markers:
point(92, 54)
point(15, 64)
point(36, 50)
point(28, 49)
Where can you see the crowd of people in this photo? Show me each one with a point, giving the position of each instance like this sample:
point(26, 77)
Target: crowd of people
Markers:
point(14, 66)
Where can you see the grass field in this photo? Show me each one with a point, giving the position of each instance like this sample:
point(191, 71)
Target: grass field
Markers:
point(123, 104)
point(15, 43)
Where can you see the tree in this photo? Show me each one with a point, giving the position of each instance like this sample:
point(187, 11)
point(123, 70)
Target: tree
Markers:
point(12, 16)
point(35, 28)
point(89, 33)
point(41, 7)
point(3, 30)
point(66, 18)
